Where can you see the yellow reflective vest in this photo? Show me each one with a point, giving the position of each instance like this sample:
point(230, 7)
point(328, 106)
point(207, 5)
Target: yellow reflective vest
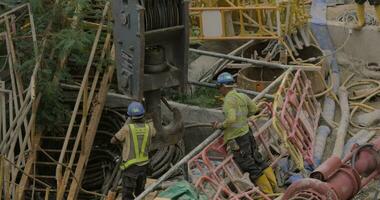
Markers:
point(139, 135)
point(237, 108)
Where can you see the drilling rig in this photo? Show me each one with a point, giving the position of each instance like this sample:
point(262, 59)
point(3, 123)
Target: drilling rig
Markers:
point(151, 42)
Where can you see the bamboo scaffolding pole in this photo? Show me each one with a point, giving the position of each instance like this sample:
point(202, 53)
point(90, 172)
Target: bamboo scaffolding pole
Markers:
point(92, 127)
point(29, 165)
point(11, 63)
point(86, 106)
point(62, 182)
point(1, 176)
point(25, 107)
point(28, 135)
point(3, 113)
point(13, 10)
point(19, 85)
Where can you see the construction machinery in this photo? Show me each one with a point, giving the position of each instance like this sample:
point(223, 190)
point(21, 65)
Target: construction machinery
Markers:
point(151, 41)
point(283, 21)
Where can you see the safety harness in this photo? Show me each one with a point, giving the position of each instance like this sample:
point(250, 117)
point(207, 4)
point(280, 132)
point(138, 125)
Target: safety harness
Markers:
point(141, 155)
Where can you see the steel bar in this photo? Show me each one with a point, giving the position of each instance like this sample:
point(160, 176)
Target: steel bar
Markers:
point(256, 62)
point(235, 8)
point(212, 85)
point(218, 65)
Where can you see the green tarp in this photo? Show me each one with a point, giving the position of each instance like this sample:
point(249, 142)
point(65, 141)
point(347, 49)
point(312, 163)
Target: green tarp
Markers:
point(182, 191)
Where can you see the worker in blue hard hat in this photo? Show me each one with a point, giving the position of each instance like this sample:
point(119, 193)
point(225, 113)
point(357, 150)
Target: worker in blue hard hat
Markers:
point(360, 12)
point(237, 108)
point(135, 136)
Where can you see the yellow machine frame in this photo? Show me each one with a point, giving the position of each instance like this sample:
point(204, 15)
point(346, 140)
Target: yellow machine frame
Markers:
point(248, 19)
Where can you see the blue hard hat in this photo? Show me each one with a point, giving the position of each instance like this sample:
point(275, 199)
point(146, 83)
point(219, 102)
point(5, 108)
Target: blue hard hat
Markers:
point(225, 78)
point(136, 110)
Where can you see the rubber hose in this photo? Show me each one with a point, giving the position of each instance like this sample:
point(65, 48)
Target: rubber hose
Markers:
point(159, 155)
point(161, 171)
point(167, 159)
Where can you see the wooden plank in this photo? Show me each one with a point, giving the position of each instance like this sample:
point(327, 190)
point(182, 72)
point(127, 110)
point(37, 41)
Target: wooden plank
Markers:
point(91, 131)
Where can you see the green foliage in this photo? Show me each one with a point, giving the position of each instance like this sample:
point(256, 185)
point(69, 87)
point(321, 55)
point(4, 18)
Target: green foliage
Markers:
point(51, 111)
point(71, 40)
point(203, 97)
point(62, 40)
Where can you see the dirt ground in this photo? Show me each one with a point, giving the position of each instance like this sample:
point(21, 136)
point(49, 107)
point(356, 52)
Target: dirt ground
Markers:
point(334, 12)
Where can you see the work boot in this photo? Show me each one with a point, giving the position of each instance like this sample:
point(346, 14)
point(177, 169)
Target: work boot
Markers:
point(268, 172)
point(264, 185)
point(360, 12)
point(377, 9)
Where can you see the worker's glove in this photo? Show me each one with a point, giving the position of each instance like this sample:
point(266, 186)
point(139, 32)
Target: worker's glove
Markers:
point(217, 125)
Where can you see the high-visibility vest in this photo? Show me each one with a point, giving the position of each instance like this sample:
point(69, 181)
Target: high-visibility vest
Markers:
point(139, 135)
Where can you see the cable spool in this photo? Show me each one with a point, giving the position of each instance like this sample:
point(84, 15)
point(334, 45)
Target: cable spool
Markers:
point(161, 14)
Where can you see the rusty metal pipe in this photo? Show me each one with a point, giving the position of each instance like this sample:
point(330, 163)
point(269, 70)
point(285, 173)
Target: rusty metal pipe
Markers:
point(334, 180)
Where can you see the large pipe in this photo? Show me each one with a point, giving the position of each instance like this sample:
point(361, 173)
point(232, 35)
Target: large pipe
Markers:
point(321, 31)
point(206, 142)
point(255, 62)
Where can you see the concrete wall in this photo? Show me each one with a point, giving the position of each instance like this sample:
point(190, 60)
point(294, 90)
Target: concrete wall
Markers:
point(362, 44)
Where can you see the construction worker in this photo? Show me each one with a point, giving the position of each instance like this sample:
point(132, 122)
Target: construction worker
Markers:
point(136, 138)
point(240, 142)
point(360, 12)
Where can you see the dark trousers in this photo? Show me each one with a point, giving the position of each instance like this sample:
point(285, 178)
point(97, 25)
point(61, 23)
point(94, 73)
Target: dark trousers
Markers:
point(134, 179)
point(248, 157)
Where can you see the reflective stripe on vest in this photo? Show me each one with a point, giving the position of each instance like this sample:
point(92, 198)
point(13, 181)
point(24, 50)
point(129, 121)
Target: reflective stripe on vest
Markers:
point(140, 154)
